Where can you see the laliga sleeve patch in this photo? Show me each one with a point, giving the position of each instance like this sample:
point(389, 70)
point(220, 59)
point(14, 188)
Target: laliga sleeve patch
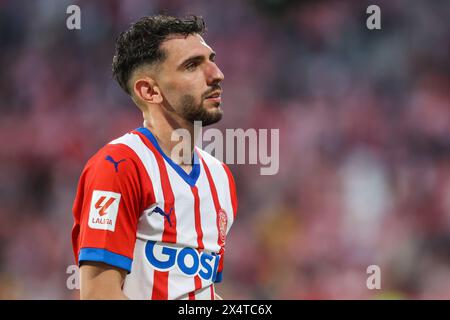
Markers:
point(104, 209)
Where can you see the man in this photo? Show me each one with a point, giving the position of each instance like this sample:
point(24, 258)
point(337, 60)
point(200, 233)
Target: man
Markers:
point(148, 224)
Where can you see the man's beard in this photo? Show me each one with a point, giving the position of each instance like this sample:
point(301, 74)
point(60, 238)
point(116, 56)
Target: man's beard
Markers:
point(197, 112)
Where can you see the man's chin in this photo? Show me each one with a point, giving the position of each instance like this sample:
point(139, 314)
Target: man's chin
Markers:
point(212, 116)
point(211, 104)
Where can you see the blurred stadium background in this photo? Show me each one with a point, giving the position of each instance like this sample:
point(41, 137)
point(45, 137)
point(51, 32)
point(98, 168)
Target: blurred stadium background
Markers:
point(364, 121)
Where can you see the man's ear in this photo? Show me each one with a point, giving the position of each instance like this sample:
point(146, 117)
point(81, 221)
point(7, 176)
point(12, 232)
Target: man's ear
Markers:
point(147, 90)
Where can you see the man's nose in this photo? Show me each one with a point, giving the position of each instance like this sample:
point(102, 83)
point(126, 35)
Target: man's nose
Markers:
point(215, 75)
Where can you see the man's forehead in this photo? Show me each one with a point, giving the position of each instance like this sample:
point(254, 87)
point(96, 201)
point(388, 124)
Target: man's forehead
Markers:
point(179, 46)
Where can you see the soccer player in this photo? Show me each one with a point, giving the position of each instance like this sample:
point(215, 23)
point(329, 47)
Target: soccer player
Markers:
point(148, 225)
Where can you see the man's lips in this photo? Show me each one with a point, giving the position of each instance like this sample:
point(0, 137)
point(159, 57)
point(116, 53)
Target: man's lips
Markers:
point(214, 96)
point(217, 99)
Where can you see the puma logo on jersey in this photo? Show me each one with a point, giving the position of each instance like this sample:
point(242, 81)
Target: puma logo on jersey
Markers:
point(115, 163)
point(166, 215)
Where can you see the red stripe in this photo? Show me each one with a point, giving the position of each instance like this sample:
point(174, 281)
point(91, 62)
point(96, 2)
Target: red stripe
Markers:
point(198, 229)
point(198, 283)
point(198, 222)
point(170, 233)
point(198, 286)
point(160, 278)
point(233, 193)
point(215, 197)
point(212, 292)
point(160, 285)
point(212, 186)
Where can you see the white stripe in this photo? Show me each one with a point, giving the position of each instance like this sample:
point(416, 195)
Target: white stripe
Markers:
point(151, 225)
point(220, 178)
point(228, 201)
point(179, 284)
point(203, 294)
point(133, 286)
point(207, 213)
point(184, 209)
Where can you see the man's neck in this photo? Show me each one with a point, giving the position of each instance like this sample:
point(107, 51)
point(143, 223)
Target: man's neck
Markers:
point(176, 143)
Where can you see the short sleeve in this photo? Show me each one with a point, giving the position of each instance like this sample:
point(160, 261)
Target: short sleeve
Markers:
point(107, 207)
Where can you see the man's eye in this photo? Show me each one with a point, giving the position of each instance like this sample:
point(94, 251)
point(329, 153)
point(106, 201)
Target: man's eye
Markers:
point(191, 66)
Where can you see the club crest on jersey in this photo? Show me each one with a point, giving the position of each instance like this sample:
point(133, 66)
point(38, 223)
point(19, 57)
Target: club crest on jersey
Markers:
point(104, 209)
point(223, 222)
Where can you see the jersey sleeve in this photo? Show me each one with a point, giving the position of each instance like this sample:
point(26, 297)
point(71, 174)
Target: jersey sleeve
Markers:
point(107, 207)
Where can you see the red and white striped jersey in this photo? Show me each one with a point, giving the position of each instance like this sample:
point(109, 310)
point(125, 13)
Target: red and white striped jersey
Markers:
point(137, 210)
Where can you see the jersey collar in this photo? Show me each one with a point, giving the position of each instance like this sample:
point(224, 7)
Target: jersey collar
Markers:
point(190, 178)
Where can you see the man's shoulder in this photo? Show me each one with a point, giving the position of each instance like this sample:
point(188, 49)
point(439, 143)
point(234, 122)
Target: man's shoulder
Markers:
point(225, 175)
point(116, 151)
point(208, 158)
point(210, 161)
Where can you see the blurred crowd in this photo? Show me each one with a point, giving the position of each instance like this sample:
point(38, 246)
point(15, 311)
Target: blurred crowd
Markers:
point(364, 120)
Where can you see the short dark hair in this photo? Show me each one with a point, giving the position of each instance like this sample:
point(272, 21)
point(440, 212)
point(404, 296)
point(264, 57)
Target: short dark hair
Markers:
point(140, 44)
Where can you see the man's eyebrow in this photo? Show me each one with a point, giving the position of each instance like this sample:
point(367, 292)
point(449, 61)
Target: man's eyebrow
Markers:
point(197, 58)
